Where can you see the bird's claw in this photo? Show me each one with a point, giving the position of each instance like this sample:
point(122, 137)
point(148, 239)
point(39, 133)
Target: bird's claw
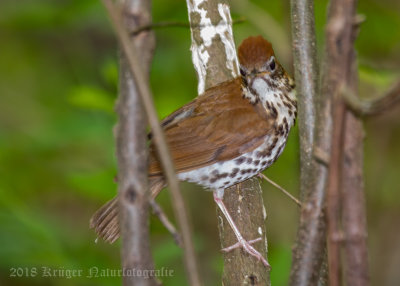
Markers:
point(247, 247)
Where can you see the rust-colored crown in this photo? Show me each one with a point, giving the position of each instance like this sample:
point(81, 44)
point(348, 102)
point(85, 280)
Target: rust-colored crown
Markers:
point(254, 51)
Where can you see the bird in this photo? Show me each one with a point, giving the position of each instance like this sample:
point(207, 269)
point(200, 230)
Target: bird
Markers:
point(228, 134)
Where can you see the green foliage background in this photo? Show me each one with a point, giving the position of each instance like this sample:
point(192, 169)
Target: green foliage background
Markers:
point(58, 85)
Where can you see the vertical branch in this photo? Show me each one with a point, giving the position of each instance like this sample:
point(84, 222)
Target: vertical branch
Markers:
point(215, 60)
point(159, 139)
point(308, 252)
point(306, 75)
point(131, 152)
point(337, 144)
point(353, 213)
point(340, 36)
point(333, 208)
point(353, 210)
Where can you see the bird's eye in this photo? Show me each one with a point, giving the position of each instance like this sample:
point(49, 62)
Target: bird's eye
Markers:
point(271, 64)
point(242, 70)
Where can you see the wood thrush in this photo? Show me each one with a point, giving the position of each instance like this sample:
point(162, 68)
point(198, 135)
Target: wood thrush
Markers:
point(228, 134)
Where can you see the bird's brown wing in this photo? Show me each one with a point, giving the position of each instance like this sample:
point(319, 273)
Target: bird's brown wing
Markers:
point(217, 126)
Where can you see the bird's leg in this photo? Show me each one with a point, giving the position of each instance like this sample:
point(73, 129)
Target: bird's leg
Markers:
point(246, 245)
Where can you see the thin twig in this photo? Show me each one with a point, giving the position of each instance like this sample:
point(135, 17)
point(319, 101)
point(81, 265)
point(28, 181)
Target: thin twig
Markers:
point(158, 211)
point(373, 106)
point(176, 24)
point(159, 139)
point(262, 176)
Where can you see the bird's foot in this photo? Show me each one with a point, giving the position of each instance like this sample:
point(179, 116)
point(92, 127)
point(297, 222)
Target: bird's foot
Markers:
point(238, 244)
point(247, 247)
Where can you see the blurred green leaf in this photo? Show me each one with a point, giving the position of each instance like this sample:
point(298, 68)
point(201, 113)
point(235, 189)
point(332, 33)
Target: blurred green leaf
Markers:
point(109, 72)
point(91, 97)
point(99, 185)
point(280, 257)
point(24, 233)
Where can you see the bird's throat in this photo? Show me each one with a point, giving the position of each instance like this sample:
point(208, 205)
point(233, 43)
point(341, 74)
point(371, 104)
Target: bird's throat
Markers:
point(278, 98)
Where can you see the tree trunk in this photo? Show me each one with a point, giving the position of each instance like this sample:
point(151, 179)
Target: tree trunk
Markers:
point(143, 90)
point(220, 65)
point(132, 153)
point(314, 132)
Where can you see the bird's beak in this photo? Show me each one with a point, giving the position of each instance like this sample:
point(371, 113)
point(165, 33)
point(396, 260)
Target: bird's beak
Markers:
point(261, 74)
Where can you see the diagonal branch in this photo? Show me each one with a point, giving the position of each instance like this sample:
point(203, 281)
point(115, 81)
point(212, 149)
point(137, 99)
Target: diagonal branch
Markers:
point(159, 139)
point(375, 106)
point(158, 211)
point(296, 201)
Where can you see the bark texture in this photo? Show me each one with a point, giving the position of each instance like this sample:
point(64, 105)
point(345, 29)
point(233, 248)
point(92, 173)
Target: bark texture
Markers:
point(354, 213)
point(345, 200)
point(144, 92)
point(314, 132)
point(337, 154)
point(245, 204)
point(131, 148)
point(214, 57)
point(354, 217)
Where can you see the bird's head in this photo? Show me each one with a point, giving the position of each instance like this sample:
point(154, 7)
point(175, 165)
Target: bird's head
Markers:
point(261, 73)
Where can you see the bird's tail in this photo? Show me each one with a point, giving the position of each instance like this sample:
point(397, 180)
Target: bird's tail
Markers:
point(105, 220)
